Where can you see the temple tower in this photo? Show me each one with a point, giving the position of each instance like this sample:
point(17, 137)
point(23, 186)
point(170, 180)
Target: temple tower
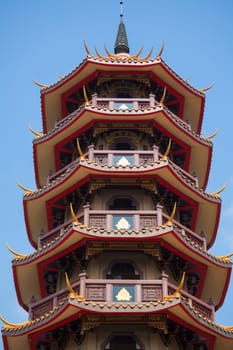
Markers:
point(119, 221)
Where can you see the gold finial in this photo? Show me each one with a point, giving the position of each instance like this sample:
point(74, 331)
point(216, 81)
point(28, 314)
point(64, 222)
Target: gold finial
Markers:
point(160, 52)
point(206, 89)
point(137, 54)
point(74, 217)
point(164, 157)
point(42, 86)
point(87, 51)
point(87, 103)
point(170, 219)
point(161, 102)
point(73, 294)
point(108, 52)
point(36, 133)
point(146, 58)
point(216, 194)
point(18, 255)
point(226, 258)
point(208, 138)
point(13, 325)
point(176, 294)
point(27, 190)
point(82, 156)
point(99, 55)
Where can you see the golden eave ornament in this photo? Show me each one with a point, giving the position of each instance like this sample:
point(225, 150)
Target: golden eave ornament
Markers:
point(81, 154)
point(17, 255)
point(169, 221)
point(87, 103)
point(161, 102)
point(208, 138)
point(13, 325)
point(226, 258)
point(216, 194)
point(26, 189)
point(74, 217)
point(42, 86)
point(72, 292)
point(34, 132)
point(165, 156)
point(160, 52)
point(206, 89)
point(176, 294)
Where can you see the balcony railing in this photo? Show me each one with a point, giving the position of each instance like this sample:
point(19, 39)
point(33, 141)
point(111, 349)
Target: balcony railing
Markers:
point(122, 159)
point(113, 291)
point(123, 103)
point(121, 220)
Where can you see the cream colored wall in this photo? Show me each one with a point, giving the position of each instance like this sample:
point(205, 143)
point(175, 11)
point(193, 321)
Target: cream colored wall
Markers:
point(104, 196)
point(137, 139)
point(99, 264)
point(147, 336)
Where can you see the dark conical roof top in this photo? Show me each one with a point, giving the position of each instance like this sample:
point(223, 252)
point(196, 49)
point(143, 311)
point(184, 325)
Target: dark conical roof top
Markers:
point(121, 44)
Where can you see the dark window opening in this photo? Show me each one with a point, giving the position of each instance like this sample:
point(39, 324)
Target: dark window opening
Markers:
point(123, 271)
point(123, 342)
point(123, 95)
point(122, 204)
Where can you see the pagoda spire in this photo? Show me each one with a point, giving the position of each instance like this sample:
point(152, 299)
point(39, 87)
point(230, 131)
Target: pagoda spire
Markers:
point(121, 43)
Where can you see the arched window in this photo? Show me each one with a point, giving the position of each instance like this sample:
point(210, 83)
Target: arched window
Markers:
point(123, 94)
point(123, 271)
point(122, 203)
point(123, 342)
point(123, 144)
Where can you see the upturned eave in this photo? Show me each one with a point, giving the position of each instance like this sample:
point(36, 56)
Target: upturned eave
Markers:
point(85, 117)
point(72, 308)
point(92, 66)
point(36, 202)
point(216, 270)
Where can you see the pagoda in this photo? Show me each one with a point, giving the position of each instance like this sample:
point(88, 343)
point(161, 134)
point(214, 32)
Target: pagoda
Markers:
point(120, 223)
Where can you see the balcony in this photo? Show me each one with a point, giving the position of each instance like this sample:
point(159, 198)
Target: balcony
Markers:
point(123, 104)
point(123, 159)
point(121, 220)
point(107, 290)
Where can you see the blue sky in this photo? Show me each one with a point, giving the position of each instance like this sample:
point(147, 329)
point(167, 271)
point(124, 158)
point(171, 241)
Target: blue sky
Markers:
point(41, 39)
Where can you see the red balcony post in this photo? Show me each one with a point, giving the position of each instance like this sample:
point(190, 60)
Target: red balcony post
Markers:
point(110, 159)
point(152, 100)
point(111, 105)
point(136, 159)
point(164, 278)
point(138, 293)
point(94, 100)
point(108, 295)
point(109, 221)
point(136, 220)
point(86, 211)
point(155, 153)
point(82, 278)
point(91, 153)
point(159, 209)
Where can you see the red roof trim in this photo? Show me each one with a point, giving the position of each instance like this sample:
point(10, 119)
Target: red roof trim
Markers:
point(101, 172)
point(178, 320)
point(150, 113)
point(77, 71)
